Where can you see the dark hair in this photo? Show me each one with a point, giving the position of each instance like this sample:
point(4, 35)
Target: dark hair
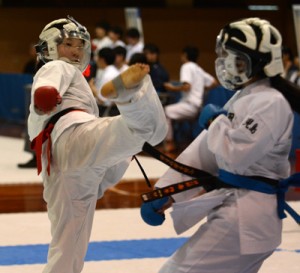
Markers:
point(152, 48)
point(287, 51)
point(117, 30)
point(133, 33)
point(138, 58)
point(38, 65)
point(191, 52)
point(289, 90)
point(120, 50)
point(104, 25)
point(107, 54)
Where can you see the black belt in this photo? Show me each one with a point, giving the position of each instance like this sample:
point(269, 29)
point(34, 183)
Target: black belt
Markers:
point(58, 115)
point(202, 179)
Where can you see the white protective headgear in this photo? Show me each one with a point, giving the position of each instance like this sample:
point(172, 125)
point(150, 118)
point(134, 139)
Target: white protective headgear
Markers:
point(53, 34)
point(247, 48)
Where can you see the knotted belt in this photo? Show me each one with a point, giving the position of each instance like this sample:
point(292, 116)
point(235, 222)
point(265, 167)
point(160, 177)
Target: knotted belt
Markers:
point(37, 142)
point(245, 182)
point(224, 180)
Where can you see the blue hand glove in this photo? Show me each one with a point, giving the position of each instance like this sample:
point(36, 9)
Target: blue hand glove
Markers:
point(149, 212)
point(209, 113)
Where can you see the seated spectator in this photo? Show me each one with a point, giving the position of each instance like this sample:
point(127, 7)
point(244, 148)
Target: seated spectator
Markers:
point(193, 82)
point(138, 57)
point(116, 34)
point(90, 72)
point(291, 70)
point(101, 39)
point(120, 56)
point(30, 68)
point(158, 73)
point(105, 63)
point(134, 43)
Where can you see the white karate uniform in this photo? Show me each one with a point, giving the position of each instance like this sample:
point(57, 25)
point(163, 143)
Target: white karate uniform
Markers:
point(89, 154)
point(245, 229)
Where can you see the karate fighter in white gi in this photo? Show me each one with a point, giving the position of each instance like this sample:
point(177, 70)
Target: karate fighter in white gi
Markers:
point(250, 139)
point(81, 154)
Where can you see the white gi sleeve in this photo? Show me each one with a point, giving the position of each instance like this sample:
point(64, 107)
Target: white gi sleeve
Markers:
point(243, 144)
point(58, 74)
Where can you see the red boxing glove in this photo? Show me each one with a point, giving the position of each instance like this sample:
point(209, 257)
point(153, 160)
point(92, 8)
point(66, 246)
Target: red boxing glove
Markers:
point(46, 98)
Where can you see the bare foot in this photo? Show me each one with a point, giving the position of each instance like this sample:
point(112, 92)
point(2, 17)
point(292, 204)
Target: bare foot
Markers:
point(130, 78)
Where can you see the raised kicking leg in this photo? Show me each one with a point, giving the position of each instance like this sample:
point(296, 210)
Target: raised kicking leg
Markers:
point(118, 88)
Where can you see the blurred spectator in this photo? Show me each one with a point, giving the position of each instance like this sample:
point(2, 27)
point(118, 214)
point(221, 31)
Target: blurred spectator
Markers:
point(158, 73)
point(193, 82)
point(91, 70)
point(105, 62)
point(30, 67)
point(101, 39)
point(138, 57)
point(134, 44)
point(291, 70)
point(120, 58)
point(116, 34)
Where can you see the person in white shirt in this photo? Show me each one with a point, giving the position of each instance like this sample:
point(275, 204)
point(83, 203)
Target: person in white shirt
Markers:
point(120, 58)
point(105, 63)
point(106, 71)
point(134, 43)
point(101, 39)
point(192, 84)
point(80, 155)
point(246, 147)
point(115, 33)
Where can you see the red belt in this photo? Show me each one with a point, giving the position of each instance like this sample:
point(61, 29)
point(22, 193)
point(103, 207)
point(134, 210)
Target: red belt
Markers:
point(37, 142)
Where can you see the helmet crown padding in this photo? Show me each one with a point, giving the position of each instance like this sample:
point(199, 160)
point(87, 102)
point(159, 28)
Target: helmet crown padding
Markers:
point(53, 34)
point(259, 41)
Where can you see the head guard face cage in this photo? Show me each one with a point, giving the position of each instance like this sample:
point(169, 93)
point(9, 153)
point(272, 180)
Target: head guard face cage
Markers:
point(247, 48)
point(53, 34)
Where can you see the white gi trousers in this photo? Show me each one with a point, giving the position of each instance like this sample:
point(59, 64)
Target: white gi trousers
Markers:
point(71, 197)
point(215, 246)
